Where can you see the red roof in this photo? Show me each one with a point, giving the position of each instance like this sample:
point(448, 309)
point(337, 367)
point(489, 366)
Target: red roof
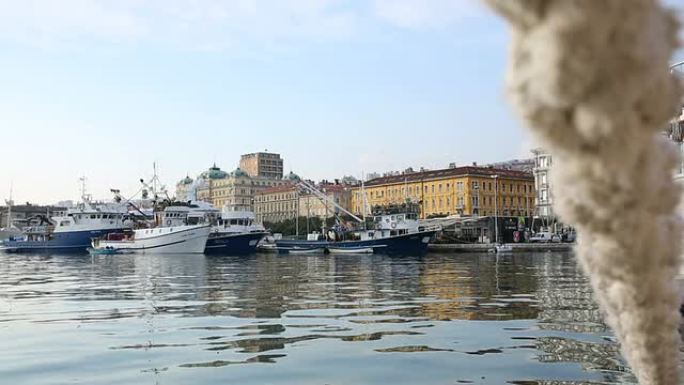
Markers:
point(450, 172)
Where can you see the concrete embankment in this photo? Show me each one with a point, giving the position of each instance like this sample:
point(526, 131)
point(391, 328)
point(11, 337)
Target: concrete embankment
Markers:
point(484, 247)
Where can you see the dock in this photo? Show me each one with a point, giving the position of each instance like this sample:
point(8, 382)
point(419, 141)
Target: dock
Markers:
point(485, 247)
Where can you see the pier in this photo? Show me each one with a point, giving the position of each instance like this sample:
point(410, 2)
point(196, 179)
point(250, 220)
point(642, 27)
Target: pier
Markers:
point(485, 247)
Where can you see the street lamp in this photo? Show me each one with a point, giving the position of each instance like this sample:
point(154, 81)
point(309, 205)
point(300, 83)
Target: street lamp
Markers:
point(496, 208)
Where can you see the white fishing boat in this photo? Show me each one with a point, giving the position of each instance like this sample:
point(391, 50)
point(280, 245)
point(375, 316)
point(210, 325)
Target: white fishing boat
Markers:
point(188, 238)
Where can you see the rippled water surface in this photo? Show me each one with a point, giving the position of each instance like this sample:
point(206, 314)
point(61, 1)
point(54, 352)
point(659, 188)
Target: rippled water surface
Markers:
point(267, 319)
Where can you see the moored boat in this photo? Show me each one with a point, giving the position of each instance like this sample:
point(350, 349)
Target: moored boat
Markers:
point(169, 237)
point(394, 230)
point(71, 231)
point(235, 232)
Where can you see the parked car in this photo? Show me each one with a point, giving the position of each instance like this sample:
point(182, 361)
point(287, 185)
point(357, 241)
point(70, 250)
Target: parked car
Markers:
point(545, 237)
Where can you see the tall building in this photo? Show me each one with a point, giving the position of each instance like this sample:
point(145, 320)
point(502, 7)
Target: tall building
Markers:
point(459, 190)
point(542, 183)
point(262, 164)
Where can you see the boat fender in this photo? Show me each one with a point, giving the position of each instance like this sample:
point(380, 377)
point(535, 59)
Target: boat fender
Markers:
point(168, 222)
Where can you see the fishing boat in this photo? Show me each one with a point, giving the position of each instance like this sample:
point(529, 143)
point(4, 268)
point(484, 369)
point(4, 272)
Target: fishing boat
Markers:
point(71, 231)
point(235, 232)
point(178, 231)
point(394, 229)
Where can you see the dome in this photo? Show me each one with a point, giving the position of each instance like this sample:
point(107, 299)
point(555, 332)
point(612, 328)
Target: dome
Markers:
point(186, 180)
point(292, 177)
point(239, 173)
point(214, 173)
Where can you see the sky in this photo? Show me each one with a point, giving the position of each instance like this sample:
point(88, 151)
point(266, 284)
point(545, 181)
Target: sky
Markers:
point(104, 89)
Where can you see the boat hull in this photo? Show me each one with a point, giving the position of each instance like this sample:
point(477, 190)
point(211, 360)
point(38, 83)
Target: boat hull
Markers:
point(72, 241)
point(233, 243)
point(182, 240)
point(405, 244)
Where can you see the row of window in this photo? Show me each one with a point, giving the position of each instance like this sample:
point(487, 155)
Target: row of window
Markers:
point(486, 186)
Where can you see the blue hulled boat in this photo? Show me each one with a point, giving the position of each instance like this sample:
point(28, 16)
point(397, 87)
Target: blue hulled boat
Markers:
point(71, 231)
point(235, 232)
point(394, 230)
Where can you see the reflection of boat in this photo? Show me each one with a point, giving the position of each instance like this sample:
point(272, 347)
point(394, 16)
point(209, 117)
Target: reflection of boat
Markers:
point(178, 231)
point(107, 251)
point(71, 231)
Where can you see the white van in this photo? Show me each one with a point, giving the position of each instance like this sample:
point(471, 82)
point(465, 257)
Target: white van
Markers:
point(545, 237)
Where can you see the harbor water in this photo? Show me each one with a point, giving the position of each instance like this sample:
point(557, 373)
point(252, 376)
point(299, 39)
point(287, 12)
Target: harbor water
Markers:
point(524, 318)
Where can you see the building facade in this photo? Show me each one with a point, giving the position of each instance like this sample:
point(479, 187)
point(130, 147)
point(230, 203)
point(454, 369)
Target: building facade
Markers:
point(236, 189)
point(453, 191)
point(262, 164)
point(542, 183)
point(312, 206)
point(276, 204)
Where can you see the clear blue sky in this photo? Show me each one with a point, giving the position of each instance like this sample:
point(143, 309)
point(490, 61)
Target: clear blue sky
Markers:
point(104, 88)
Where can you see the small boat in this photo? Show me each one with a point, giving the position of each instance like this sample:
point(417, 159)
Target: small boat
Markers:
point(350, 250)
point(306, 250)
point(503, 249)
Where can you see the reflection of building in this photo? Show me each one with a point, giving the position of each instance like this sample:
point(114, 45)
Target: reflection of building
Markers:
point(262, 164)
point(459, 190)
point(542, 182)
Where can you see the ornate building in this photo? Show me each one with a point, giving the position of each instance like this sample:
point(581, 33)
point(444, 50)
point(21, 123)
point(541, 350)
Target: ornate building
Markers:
point(220, 188)
point(459, 190)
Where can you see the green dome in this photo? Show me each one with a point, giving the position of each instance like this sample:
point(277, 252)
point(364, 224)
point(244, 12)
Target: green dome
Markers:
point(292, 177)
point(214, 173)
point(239, 173)
point(186, 180)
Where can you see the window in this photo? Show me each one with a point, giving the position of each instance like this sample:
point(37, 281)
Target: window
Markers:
point(475, 185)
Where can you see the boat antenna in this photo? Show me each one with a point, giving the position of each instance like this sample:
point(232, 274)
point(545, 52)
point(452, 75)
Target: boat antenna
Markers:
point(9, 207)
point(84, 195)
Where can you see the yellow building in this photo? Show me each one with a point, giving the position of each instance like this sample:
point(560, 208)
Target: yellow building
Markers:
point(461, 190)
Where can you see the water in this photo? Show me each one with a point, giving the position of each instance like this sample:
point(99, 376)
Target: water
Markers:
point(268, 319)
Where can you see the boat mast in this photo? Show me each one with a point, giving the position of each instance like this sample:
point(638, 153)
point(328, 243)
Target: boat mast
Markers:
point(9, 208)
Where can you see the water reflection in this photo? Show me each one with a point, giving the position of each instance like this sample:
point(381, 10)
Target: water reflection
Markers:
point(470, 318)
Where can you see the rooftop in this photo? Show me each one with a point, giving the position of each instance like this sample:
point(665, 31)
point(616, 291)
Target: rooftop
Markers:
point(450, 172)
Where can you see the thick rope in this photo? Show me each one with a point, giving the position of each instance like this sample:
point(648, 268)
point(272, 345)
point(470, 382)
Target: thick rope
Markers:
point(590, 78)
